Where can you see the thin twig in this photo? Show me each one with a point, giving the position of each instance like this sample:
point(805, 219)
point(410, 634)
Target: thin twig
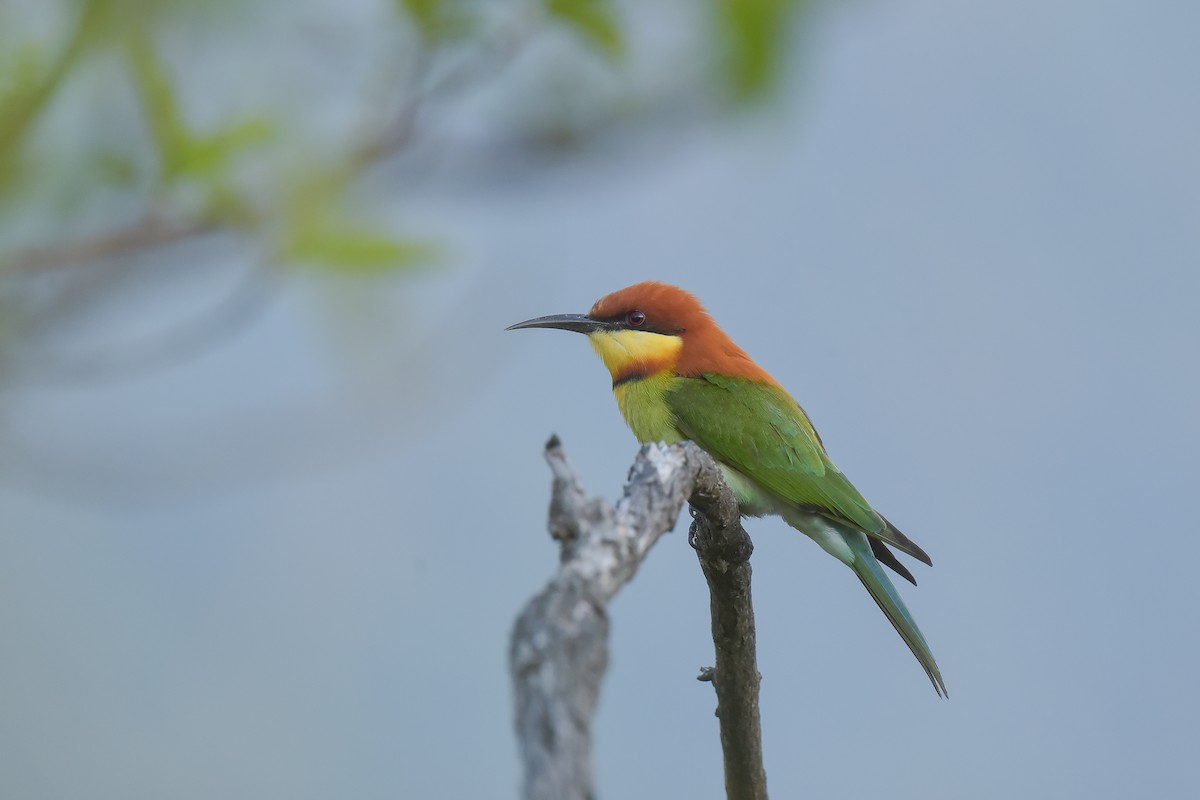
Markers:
point(724, 549)
point(147, 233)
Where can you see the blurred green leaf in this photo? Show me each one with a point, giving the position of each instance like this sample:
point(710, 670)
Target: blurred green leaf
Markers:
point(425, 13)
point(320, 233)
point(437, 20)
point(752, 35)
point(354, 249)
point(159, 104)
point(183, 153)
point(19, 73)
point(594, 20)
point(30, 94)
point(208, 154)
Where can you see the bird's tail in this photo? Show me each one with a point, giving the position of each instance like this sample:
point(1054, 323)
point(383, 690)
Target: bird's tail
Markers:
point(873, 577)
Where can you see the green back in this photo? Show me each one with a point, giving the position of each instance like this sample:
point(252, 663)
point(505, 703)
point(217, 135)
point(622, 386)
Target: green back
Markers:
point(758, 429)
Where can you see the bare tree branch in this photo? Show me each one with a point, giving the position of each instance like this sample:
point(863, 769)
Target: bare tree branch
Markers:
point(559, 644)
point(724, 549)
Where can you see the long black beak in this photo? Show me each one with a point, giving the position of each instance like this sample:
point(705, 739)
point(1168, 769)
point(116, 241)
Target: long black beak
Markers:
point(580, 323)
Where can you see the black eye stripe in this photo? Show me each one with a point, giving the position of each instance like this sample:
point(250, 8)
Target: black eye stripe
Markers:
point(650, 325)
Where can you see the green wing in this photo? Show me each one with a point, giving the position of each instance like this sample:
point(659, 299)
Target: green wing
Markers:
point(758, 429)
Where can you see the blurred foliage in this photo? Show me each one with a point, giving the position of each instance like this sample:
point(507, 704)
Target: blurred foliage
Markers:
point(594, 20)
point(319, 232)
point(754, 34)
point(182, 153)
point(438, 20)
point(98, 112)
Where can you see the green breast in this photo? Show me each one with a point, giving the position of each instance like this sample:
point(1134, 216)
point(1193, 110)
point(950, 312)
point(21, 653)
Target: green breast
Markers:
point(644, 406)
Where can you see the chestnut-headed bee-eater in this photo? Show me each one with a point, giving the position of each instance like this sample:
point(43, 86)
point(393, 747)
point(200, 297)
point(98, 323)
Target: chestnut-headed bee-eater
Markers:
point(677, 376)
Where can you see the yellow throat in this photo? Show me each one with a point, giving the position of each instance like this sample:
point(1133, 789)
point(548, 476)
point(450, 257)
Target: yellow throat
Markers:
point(635, 354)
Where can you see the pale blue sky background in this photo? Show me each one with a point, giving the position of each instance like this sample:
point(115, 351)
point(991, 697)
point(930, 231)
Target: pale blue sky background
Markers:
point(968, 242)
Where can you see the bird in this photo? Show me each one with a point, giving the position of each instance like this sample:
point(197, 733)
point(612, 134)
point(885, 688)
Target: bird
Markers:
point(678, 376)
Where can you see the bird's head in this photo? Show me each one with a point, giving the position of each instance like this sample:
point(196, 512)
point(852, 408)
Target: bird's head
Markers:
point(651, 327)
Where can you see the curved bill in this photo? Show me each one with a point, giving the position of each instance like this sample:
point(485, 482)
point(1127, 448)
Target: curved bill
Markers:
point(580, 323)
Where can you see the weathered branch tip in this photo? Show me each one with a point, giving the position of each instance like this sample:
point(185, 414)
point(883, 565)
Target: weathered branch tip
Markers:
point(558, 652)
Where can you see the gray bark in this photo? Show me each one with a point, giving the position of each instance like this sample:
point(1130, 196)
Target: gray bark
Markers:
point(558, 652)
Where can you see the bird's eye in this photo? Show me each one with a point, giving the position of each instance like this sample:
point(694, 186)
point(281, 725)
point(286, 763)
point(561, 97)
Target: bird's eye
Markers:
point(635, 319)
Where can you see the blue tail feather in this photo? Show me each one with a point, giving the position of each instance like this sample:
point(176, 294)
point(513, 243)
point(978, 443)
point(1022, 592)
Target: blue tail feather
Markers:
point(876, 580)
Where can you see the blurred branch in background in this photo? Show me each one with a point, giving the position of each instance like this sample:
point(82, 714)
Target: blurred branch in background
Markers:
point(115, 46)
point(151, 150)
point(559, 648)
